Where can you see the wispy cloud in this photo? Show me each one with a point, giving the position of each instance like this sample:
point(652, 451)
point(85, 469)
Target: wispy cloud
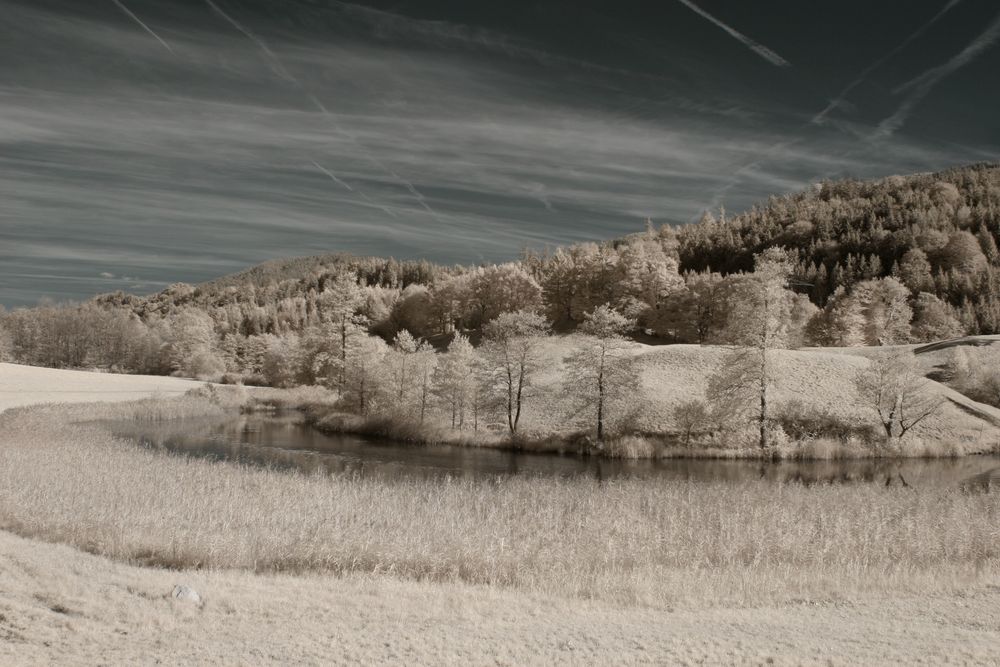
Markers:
point(758, 48)
point(280, 68)
point(370, 147)
point(841, 98)
point(386, 24)
point(918, 88)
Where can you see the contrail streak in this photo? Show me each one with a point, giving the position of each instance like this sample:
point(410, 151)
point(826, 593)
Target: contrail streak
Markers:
point(758, 48)
point(145, 27)
point(922, 85)
point(332, 175)
point(276, 63)
point(819, 118)
point(373, 159)
point(368, 199)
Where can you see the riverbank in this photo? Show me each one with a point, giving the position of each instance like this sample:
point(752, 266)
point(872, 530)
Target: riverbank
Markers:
point(621, 541)
point(328, 419)
point(520, 572)
point(815, 404)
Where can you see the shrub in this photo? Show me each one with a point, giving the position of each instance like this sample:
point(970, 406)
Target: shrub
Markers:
point(630, 447)
point(801, 422)
point(976, 373)
point(691, 418)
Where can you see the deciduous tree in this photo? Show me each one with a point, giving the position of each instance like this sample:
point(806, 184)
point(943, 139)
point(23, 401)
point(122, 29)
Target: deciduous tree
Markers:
point(895, 389)
point(597, 370)
point(757, 323)
point(512, 350)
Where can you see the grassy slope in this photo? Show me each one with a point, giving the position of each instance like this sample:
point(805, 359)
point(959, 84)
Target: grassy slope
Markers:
point(822, 379)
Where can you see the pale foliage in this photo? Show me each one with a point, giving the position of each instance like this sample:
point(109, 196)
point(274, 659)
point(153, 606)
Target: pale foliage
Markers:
point(875, 312)
point(884, 305)
point(976, 372)
point(365, 380)
point(598, 372)
point(411, 366)
point(190, 343)
point(457, 381)
point(758, 323)
point(894, 387)
point(474, 298)
point(6, 344)
point(934, 320)
point(512, 354)
point(692, 416)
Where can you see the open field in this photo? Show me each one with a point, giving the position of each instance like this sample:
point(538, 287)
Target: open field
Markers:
point(343, 570)
point(30, 385)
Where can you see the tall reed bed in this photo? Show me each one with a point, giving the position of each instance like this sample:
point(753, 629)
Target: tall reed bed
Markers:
point(634, 541)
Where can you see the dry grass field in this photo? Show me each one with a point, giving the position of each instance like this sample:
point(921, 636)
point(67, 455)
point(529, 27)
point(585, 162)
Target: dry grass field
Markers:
point(31, 385)
point(59, 606)
point(339, 570)
point(624, 541)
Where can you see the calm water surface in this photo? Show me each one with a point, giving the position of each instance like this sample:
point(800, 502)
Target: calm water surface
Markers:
point(284, 441)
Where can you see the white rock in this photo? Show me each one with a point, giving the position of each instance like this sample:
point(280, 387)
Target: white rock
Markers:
point(185, 593)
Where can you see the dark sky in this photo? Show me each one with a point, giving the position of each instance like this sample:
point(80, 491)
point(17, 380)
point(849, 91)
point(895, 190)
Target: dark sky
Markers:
point(146, 142)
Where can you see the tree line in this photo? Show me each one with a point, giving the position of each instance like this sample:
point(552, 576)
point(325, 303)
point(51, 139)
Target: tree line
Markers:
point(869, 263)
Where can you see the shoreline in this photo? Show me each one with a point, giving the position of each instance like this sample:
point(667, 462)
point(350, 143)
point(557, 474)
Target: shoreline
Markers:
point(629, 447)
point(729, 596)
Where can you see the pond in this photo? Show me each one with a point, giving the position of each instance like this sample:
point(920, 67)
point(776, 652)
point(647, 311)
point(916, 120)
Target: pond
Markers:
point(284, 441)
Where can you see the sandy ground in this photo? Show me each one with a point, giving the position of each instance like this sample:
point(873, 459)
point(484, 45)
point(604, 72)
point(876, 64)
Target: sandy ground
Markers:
point(29, 385)
point(60, 606)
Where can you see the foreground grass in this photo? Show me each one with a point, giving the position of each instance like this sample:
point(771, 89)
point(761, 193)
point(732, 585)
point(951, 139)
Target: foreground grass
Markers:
point(59, 606)
point(627, 541)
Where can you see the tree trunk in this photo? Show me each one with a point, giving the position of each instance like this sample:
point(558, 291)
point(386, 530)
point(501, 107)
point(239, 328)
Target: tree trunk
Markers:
point(520, 388)
point(600, 400)
point(763, 399)
point(423, 401)
point(510, 401)
point(343, 356)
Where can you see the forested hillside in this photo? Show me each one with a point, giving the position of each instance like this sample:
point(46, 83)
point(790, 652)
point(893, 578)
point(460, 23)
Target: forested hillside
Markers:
point(878, 262)
point(935, 233)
